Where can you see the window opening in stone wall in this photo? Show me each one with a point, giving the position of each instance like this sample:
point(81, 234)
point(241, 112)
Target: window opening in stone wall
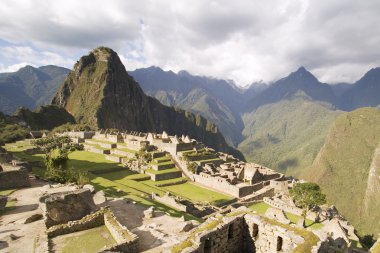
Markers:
point(255, 230)
point(279, 243)
point(230, 231)
point(207, 246)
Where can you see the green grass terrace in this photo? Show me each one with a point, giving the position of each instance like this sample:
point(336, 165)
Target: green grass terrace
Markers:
point(117, 181)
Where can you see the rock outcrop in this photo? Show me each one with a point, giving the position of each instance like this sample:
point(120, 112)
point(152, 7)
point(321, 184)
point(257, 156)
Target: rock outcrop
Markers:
point(63, 207)
point(99, 92)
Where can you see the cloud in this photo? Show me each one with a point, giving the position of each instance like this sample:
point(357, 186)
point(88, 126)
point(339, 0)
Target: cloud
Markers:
point(26, 55)
point(242, 40)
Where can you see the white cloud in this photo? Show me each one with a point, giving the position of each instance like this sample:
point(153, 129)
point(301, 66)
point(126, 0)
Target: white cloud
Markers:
point(25, 55)
point(241, 40)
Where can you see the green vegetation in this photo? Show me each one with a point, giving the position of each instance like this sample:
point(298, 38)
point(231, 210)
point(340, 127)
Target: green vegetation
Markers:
point(126, 183)
point(307, 196)
point(92, 240)
point(6, 192)
point(260, 207)
point(44, 117)
point(10, 131)
point(8, 207)
point(343, 168)
point(286, 135)
point(57, 151)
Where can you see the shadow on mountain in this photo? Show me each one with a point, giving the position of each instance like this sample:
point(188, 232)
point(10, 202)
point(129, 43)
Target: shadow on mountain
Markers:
point(284, 165)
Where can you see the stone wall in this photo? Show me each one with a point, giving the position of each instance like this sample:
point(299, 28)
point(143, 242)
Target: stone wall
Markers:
point(112, 158)
point(226, 237)
point(126, 241)
point(162, 166)
point(122, 153)
point(170, 201)
point(14, 179)
point(60, 208)
point(291, 209)
point(225, 187)
point(268, 237)
point(166, 176)
point(89, 221)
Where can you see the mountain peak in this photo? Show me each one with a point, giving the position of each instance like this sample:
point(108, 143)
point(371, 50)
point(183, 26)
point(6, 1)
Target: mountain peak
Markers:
point(104, 53)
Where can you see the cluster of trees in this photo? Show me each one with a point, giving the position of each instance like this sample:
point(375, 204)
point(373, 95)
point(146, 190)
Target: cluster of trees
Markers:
point(57, 150)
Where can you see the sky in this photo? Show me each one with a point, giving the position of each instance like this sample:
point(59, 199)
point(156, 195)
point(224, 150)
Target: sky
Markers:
point(242, 40)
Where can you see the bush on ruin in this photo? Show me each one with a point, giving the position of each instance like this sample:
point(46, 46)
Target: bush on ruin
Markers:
point(193, 168)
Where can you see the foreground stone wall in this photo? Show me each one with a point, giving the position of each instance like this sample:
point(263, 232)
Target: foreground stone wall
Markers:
point(245, 232)
point(14, 178)
point(226, 237)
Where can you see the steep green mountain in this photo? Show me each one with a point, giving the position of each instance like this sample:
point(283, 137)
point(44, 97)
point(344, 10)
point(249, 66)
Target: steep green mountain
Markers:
point(300, 80)
point(348, 168)
point(99, 92)
point(287, 135)
point(217, 100)
point(44, 117)
point(365, 92)
point(29, 87)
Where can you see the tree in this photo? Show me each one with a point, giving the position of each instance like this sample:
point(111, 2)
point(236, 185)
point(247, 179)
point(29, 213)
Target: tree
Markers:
point(57, 150)
point(307, 196)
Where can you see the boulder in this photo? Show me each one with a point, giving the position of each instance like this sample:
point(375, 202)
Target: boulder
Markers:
point(186, 226)
point(99, 198)
point(90, 187)
point(3, 202)
point(62, 207)
point(33, 218)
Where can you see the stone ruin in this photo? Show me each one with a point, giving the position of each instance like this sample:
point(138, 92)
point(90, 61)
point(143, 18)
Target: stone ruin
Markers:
point(242, 231)
point(62, 207)
point(13, 173)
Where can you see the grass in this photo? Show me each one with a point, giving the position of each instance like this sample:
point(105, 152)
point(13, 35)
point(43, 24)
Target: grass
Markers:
point(125, 183)
point(93, 240)
point(197, 193)
point(134, 191)
point(9, 206)
point(260, 207)
point(86, 160)
point(6, 192)
point(97, 146)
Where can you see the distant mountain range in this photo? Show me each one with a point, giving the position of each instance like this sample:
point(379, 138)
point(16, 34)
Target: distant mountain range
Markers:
point(287, 125)
point(30, 87)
